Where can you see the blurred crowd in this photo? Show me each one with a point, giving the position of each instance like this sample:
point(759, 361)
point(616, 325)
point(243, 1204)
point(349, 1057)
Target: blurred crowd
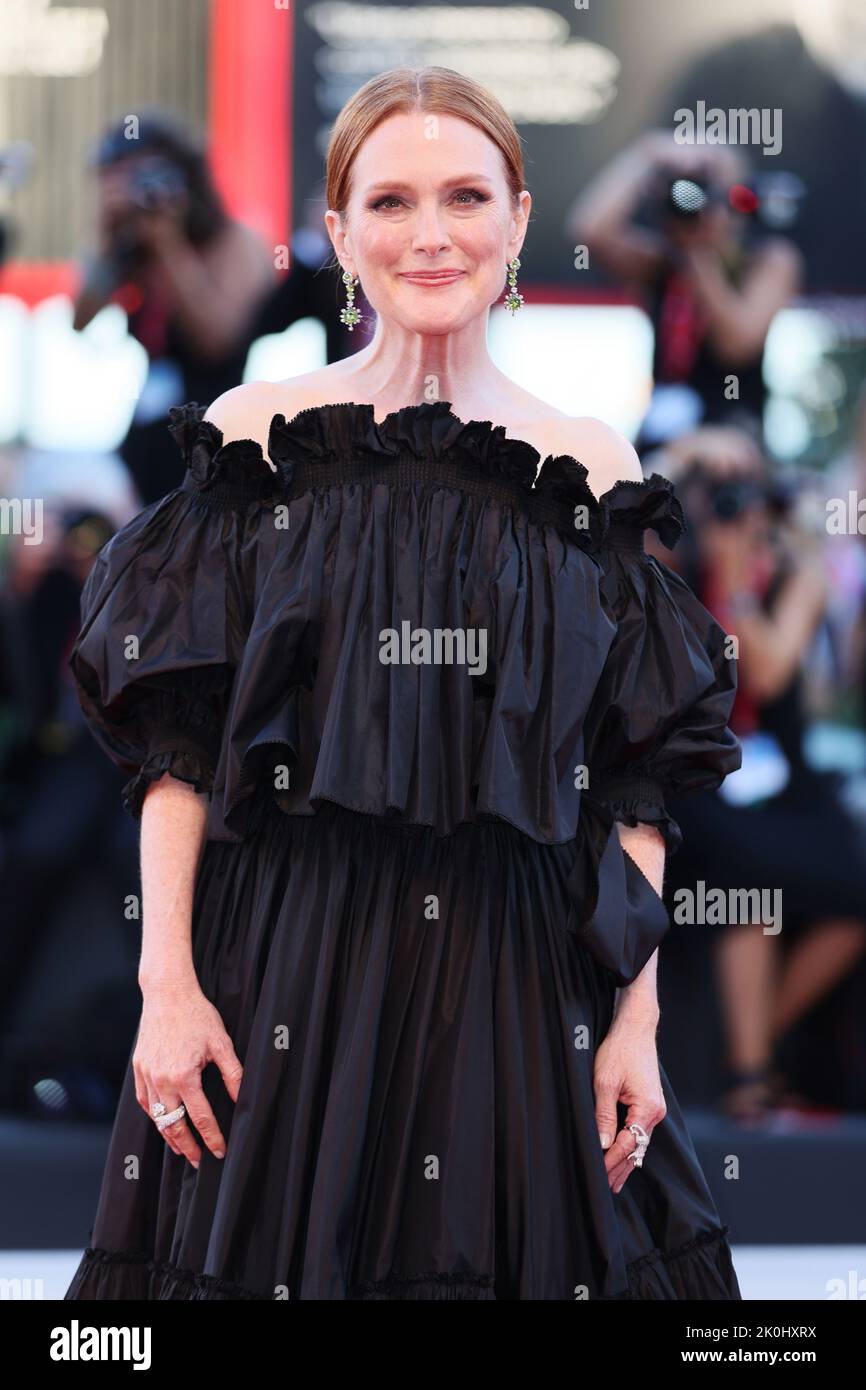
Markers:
point(678, 226)
point(682, 226)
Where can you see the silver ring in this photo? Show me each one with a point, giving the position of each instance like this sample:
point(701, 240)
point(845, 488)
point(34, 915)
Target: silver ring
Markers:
point(171, 1118)
point(637, 1154)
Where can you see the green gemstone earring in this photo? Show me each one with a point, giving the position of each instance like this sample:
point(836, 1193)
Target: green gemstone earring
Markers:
point(351, 314)
point(513, 300)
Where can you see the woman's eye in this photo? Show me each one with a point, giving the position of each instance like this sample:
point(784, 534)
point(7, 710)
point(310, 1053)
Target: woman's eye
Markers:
point(472, 194)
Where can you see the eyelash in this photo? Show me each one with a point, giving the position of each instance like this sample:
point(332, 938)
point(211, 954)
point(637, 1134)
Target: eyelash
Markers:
point(477, 195)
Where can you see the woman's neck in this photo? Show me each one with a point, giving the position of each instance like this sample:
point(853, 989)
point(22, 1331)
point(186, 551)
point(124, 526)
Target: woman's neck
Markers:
point(399, 368)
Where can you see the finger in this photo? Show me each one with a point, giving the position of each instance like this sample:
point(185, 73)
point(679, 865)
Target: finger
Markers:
point(646, 1113)
point(141, 1089)
point(183, 1138)
point(619, 1170)
point(622, 1146)
point(627, 1143)
point(606, 1096)
point(621, 1174)
point(202, 1116)
point(226, 1059)
point(618, 1179)
point(178, 1134)
point(152, 1096)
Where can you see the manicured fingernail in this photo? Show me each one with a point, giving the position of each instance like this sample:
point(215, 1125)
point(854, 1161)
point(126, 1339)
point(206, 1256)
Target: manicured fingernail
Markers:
point(220, 1153)
point(195, 1162)
point(605, 1141)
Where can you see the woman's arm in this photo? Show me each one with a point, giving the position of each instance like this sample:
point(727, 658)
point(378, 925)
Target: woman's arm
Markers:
point(626, 1065)
point(180, 1029)
point(173, 821)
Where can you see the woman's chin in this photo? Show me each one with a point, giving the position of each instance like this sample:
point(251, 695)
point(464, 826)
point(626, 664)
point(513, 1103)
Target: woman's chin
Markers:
point(434, 316)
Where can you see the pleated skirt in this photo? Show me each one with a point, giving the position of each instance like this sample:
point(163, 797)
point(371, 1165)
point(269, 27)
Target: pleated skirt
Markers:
point(416, 1118)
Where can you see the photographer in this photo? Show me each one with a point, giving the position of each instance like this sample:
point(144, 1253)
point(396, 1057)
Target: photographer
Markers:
point(50, 764)
point(190, 277)
point(777, 823)
point(714, 289)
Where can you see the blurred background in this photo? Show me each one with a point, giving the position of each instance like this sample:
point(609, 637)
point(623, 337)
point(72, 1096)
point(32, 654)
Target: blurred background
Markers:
point(693, 274)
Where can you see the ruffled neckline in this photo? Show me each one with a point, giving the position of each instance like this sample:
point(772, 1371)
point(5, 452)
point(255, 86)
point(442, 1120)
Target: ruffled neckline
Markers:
point(316, 439)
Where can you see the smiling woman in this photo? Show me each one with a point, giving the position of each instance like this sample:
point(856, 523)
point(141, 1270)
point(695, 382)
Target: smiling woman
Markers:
point(408, 909)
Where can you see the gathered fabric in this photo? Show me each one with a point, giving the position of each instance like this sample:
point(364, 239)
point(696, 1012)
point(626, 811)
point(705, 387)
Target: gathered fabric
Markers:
point(232, 636)
point(420, 675)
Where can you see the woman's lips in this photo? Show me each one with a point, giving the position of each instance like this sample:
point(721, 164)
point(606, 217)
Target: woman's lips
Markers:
point(447, 277)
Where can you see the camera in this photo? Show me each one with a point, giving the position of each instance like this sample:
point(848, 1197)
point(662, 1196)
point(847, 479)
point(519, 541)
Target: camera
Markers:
point(731, 497)
point(690, 197)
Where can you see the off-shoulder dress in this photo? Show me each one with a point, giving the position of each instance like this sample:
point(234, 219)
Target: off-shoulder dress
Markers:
point(420, 680)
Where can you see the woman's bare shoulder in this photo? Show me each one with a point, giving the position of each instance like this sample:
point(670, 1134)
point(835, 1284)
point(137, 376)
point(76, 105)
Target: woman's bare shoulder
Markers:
point(246, 412)
point(605, 453)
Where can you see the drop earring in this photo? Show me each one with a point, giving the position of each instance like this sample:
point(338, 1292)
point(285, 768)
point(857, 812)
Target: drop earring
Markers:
point(513, 300)
point(351, 314)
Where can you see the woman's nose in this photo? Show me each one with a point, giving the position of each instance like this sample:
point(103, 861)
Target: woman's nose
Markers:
point(430, 233)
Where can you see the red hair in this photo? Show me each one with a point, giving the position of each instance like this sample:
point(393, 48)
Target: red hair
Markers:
point(438, 91)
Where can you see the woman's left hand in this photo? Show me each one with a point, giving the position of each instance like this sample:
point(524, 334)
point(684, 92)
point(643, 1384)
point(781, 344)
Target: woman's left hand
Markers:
point(626, 1070)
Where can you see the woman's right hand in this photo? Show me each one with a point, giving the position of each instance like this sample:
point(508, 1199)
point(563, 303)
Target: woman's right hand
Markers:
point(179, 1033)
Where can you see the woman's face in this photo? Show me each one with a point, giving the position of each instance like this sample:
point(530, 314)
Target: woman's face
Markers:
point(428, 193)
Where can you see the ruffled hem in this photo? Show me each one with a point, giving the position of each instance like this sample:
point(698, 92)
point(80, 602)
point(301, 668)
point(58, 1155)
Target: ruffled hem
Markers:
point(327, 444)
point(633, 812)
point(429, 1287)
point(129, 1274)
point(636, 798)
point(184, 764)
point(236, 471)
point(701, 1269)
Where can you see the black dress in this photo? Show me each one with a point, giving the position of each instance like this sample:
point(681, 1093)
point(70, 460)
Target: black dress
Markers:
point(411, 866)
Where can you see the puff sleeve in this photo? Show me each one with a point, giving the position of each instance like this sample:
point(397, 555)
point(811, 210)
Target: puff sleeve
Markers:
point(657, 724)
point(164, 614)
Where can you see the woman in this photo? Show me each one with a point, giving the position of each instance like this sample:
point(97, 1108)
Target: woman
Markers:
point(191, 278)
point(382, 888)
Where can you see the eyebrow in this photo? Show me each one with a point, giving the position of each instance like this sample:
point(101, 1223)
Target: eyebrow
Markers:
point(394, 184)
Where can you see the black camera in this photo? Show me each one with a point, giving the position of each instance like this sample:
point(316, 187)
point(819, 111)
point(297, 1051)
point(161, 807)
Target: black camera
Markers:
point(731, 497)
